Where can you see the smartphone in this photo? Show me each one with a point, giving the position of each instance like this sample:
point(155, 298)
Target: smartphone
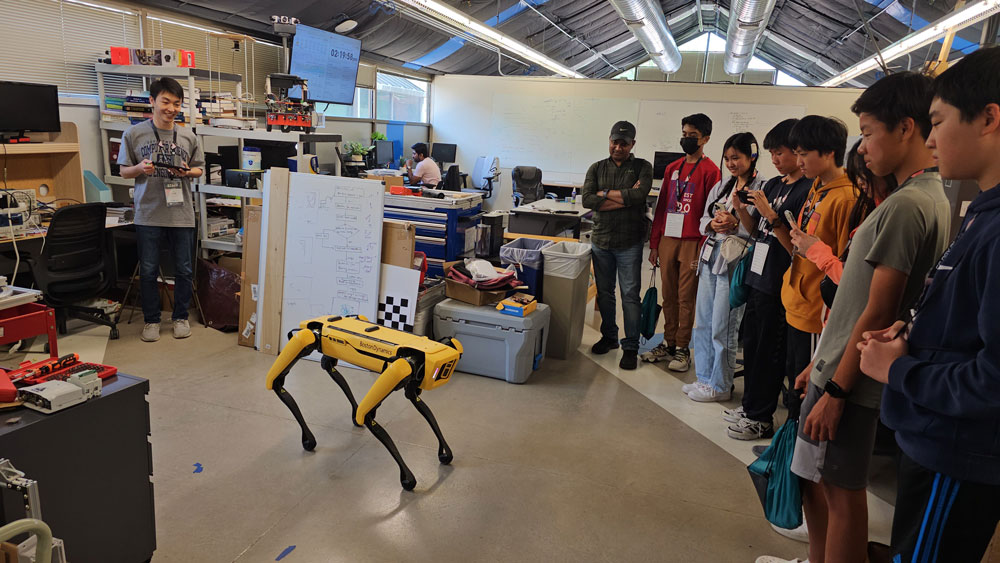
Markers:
point(791, 219)
point(173, 166)
point(719, 206)
point(743, 196)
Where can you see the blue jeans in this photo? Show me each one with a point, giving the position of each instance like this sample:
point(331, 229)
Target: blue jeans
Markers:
point(626, 264)
point(181, 244)
point(716, 328)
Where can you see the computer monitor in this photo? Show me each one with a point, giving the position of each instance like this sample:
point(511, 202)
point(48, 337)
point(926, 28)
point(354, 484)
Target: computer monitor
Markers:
point(328, 61)
point(383, 153)
point(443, 152)
point(661, 160)
point(28, 107)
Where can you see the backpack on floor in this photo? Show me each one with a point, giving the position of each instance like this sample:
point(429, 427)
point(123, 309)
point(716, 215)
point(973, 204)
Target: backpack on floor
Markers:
point(777, 487)
point(650, 309)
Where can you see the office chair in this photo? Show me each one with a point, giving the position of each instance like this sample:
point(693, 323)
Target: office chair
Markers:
point(452, 180)
point(528, 183)
point(484, 173)
point(76, 264)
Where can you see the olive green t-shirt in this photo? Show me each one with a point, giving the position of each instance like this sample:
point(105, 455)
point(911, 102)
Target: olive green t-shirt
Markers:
point(908, 232)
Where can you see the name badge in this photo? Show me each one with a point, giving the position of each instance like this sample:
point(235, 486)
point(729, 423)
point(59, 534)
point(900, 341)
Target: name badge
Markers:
point(174, 192)
point(759, 258)
point(706, 250)
point(675, 225)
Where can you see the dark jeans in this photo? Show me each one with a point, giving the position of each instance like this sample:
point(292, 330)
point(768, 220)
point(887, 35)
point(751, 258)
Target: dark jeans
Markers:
point(626, 264)
point(180, 240)
point(799, 349)
point(764, 355)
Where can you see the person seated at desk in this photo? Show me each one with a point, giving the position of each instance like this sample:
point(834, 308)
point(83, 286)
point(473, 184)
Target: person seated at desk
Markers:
point(426, 171)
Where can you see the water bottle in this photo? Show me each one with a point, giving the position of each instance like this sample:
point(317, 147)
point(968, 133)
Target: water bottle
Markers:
point(572, 197)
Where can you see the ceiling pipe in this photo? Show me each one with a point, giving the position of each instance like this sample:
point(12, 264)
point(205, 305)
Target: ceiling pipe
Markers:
point(747, 22)
point(646, 20)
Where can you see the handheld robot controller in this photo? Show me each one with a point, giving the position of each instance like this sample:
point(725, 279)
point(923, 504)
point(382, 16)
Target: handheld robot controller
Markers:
point(405, 361)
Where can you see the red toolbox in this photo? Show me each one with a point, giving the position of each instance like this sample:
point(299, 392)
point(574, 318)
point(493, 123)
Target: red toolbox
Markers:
point(28, 320)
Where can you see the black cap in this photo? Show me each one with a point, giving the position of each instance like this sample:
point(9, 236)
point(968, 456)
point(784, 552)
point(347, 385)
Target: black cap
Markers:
point(623, 130)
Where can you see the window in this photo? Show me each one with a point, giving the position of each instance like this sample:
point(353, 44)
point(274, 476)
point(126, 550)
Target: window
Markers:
point(65, 40)
point(362, 107)
point(787, 80)
point(401, 99)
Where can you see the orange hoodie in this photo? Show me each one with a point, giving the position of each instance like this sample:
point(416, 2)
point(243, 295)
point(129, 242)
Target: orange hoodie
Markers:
point(800, 290)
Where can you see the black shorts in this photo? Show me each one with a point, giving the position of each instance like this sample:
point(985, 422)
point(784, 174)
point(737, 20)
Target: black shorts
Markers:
point(939, 518)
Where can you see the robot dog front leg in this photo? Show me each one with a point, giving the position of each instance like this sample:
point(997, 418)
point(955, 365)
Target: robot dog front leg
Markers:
point(391, 379)
point(413, 394)
point(301, 344)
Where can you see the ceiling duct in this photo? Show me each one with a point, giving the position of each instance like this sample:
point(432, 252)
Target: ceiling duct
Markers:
point(747, 22)
point(645, 19)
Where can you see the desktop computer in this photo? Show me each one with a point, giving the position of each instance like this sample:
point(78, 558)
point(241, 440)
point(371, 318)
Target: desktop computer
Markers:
point(661, 160)
point(443, 153)
point(384, 154)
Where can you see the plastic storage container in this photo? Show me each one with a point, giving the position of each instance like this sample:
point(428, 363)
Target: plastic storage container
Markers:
point(526, 255)
point(495, 345)
point(567, 276)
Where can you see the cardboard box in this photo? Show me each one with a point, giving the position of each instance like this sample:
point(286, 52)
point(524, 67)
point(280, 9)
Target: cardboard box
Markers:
point(468, 294)
point(252, 216)
point(518, 305)
point(391, 181)
point(399, 239)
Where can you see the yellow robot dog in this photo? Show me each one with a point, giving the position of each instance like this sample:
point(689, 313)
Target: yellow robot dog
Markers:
point(405, 361)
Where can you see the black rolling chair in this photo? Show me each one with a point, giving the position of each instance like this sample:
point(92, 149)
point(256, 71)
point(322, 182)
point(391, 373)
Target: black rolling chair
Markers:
point(77, 263)
point(452, 180)
point(528, 183)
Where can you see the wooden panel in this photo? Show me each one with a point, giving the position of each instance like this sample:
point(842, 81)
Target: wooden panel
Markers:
point(56, 164)
point(274, 268)
point(41, 148)
point(250, 275)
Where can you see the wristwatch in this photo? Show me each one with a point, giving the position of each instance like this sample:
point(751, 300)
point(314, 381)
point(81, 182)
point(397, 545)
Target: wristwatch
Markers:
point(836, 391)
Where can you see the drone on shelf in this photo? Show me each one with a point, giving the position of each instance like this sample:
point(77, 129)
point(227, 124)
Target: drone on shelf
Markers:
point(405, 361)
point(284, 112)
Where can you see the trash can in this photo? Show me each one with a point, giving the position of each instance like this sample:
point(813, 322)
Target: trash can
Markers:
point(567, 276)
point(526, 256)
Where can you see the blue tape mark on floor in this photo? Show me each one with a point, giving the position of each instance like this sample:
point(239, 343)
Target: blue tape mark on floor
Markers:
point(282, 555)
point(198, 468)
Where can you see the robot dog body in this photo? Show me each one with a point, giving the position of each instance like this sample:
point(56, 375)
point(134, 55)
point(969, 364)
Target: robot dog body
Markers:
point(405, 361)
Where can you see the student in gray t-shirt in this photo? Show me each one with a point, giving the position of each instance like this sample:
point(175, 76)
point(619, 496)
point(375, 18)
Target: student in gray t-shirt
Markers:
point(163, 202)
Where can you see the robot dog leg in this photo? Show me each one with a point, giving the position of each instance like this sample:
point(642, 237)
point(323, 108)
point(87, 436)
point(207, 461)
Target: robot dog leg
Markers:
point(301, 344)
point(330, 365)
point(413, 394)
point(394, 377)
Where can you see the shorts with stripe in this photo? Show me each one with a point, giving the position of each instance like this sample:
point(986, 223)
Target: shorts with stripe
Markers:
point(940, 518)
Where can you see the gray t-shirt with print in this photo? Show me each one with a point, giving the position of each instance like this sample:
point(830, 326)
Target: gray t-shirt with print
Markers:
point(908, 232)
point(140, 142)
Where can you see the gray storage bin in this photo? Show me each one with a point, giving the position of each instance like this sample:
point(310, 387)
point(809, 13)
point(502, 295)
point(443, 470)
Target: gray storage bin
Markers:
point(495, 345)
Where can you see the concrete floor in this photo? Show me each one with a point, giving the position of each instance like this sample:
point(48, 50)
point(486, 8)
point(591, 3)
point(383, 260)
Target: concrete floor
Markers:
point(575, 465)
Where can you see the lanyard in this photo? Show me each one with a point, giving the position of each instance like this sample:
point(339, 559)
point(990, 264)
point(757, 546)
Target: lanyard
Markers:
point(173, 144)
point(807, 212)
point(687, 181)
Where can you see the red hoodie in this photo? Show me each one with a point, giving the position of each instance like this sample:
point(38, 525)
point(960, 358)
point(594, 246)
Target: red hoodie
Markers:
point(703, 178)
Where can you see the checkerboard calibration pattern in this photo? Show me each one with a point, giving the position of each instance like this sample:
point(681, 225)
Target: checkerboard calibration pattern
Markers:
point(395, 313)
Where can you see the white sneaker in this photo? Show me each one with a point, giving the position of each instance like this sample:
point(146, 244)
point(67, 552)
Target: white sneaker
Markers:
point(688, 387)
point(182, 329)
point(150, 332)
point(748, 429)
point(706, 394)
point(734, 415)
point(800, 534)
point(681, 361)
point(772, 559)
point(661, 353)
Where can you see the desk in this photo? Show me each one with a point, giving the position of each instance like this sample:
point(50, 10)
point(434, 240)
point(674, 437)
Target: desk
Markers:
point(562, 189)
point(547, 217)
point(92, 463)
point(39, 232)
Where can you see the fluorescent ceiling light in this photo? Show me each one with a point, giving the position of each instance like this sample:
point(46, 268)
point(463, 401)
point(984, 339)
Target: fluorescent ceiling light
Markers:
point(478, 29)
point(955, 21)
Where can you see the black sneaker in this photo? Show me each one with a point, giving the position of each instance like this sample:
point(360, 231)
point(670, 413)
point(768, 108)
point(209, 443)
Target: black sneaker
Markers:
point(630, 359)
point(603, 346)
point(759, 450)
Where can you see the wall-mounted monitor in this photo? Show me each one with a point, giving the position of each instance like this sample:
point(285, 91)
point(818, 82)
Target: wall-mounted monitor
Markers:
point(28, 107)
point(328, 61)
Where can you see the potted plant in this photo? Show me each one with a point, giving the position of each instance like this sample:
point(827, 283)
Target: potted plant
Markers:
point(376, 136)
point(357, 151)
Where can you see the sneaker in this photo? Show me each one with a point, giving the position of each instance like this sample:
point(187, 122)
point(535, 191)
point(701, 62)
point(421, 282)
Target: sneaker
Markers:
point(772, 559)
point(688, 387)
point(603, 346)
point(182, 329)
point(748, 429)
point(630, 359)
point(800, 534)
point(660, 353)
point(734, 415)
point(681, 361)
point(150, 332)
point(703, 393)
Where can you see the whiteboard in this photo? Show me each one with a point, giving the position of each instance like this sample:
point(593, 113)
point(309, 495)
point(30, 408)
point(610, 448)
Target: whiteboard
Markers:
point(659, 126)
point(333, 248)
point(556, 134)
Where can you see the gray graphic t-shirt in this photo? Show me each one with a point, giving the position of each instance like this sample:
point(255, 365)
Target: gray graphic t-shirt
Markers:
point(140, 142)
